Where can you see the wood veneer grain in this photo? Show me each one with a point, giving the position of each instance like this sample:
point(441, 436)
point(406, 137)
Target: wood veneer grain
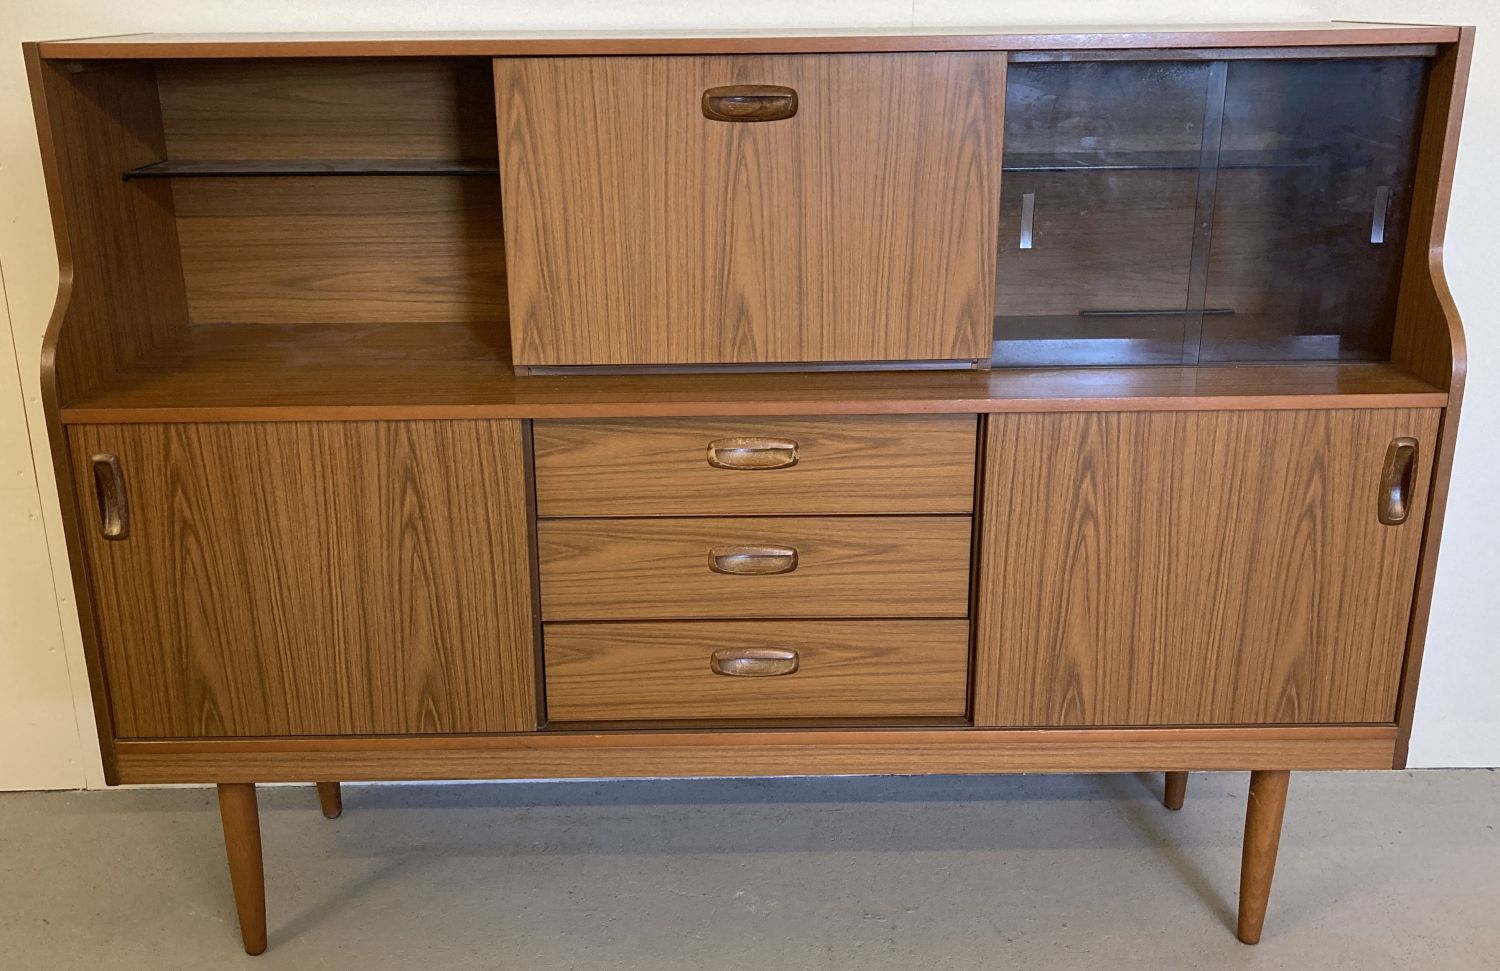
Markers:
point(1174, 569)
point(862, 229)
point(890, 669)
point(315, 578)
point(554, 754)
point(1429, 336)
point(398, 108)
point(853, 465)
point(847, 566)
point(266, 372)
point(413, 251)
point(577, 43)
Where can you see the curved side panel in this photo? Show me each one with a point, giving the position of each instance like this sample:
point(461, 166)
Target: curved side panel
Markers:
point(120, 293)
point(1429, 339)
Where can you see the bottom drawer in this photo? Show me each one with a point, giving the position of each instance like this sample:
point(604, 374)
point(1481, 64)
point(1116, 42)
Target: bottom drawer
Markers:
point(745, 670)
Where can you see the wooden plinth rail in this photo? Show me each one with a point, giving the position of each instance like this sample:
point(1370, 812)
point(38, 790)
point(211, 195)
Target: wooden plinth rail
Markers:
point(750, 753)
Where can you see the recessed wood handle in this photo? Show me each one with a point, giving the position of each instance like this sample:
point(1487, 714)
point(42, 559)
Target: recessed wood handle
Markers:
point(109, 489)
point(752, 561)
point(1398, 481)
point(749, 102)
point(752, 454)
point(753, 662)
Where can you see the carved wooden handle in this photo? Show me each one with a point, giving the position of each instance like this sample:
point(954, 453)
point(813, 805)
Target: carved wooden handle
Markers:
point(752, 454)
point(753, 662)
point(749, 102)
point(1398, 481)
point(752, 561)
point(109, 489)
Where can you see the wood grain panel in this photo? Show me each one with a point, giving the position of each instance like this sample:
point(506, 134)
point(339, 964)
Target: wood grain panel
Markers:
point(121, 291)
point(407, 108)
point(263, 372)
point(770, 41)
point(630, 569)
point(846, 669)
point(553, 754)
point(297, 579)
point(862, 229)
point(1215, 568)
point(906, 463)
point(346, 250)
point(1429, 338)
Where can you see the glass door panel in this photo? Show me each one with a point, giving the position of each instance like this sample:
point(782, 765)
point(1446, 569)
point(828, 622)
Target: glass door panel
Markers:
point(1204, 211)
point(1314, 186)
point(1098, 200)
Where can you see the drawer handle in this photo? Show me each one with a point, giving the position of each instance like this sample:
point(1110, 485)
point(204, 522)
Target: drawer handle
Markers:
point(109, 489)
point(753, 662)
point(1397, 481)
point(749, 102)
point(752, 561)
point(752, 454)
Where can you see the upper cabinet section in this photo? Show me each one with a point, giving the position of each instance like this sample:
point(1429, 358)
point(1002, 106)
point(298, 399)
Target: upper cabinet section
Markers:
point(704, 210)
point(1162, 209)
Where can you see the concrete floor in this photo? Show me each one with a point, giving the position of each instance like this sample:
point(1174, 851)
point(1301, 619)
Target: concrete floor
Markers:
point(1377, 870)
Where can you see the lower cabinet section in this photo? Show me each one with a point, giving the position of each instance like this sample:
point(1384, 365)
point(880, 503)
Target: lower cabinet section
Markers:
point(1198, 568)
point(747, 670)
point(310, 578)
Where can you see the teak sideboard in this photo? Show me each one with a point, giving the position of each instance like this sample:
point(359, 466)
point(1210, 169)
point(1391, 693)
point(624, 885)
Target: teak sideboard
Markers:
point(551, 405)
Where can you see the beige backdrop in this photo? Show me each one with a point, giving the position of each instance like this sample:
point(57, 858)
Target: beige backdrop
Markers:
point(46, 729)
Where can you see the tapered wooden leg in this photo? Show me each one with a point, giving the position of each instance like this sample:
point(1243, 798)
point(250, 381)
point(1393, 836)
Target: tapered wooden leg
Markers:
point(1176, 790)
point(241, 818)
point(1262, 837)
point(331, 798)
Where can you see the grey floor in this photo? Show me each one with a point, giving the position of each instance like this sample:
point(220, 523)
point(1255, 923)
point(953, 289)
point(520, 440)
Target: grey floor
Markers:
point(1377, 870)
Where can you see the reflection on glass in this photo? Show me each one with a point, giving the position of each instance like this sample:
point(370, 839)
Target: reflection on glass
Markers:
point(1184, 212)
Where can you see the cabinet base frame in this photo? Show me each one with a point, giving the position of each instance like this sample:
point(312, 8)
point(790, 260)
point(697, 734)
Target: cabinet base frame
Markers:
point(637, 754)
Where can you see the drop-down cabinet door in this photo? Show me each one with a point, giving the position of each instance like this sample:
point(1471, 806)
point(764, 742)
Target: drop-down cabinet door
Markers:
point(309, 578)
point(750, 209)
point(1198, 568)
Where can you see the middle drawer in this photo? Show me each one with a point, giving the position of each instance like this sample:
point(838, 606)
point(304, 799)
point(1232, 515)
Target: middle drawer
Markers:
point(768, 567)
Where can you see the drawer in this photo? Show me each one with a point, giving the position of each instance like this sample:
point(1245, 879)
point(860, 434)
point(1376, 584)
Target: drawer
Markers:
point(749, 466)
point(851, 566)
point(842, 669)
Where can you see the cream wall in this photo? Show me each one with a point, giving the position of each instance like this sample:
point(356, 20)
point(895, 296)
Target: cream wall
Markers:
point(46, 730)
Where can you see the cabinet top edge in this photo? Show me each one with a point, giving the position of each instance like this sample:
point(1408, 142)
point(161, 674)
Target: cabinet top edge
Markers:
point(809, 41)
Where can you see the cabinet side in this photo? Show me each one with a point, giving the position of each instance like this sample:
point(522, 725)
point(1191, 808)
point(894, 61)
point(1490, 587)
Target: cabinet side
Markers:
point(1429, 337)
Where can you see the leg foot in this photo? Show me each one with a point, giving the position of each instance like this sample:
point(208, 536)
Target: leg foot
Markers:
point(1176, 790)
point(241, 818)
point(1262, 837)
point(331, 798)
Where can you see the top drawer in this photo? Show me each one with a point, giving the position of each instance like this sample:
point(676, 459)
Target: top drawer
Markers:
point(756, 466)
point(653, 218)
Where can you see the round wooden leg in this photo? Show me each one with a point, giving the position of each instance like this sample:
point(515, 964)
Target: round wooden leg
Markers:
point(331, 797)
point(1176, 790)
point(1262, 837)
point(240, 815)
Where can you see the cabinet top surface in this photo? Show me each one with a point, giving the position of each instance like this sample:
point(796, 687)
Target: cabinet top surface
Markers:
point(486, 43)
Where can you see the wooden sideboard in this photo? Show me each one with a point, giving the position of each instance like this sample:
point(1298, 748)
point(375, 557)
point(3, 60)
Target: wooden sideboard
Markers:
point(548, 405)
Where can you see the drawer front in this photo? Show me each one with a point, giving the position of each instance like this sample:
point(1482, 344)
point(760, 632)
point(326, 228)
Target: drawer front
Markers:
point(633, 569)
point(640, 230)
point(829, 669)
point(756, 466)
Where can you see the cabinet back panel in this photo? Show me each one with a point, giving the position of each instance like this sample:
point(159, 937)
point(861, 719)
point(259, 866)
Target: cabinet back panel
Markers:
point(342, 249)
point(297, 578)
point(1211, 568)
point(281, 109)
